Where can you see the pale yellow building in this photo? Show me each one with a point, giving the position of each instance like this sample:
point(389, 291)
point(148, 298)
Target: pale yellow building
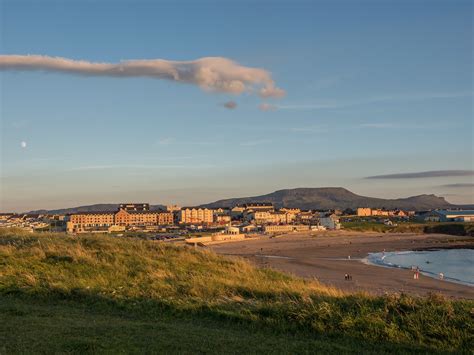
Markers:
point(128, 215)
point(88, 221)
point(364, 212)
point(286, 228)
point(195, 215)
point(290, 210)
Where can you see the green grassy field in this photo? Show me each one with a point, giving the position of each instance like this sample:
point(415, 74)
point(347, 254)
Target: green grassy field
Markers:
point(120, 295)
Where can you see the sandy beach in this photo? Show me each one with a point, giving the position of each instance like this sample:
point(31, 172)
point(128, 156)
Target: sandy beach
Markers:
point(324, 256)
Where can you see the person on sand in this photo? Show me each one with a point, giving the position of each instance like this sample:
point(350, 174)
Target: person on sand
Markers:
point(441, 276)
point(416, 274)
point(346, 277)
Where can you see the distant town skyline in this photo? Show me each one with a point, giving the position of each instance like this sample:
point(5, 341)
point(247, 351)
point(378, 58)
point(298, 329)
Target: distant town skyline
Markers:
point(372, 96)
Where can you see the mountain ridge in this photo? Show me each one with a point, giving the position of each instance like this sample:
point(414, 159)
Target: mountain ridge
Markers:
point(303, 197)
point(103, 207)
point(335, 197)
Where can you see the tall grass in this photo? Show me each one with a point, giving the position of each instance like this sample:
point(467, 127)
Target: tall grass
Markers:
point(461, 229)
point(151, 277)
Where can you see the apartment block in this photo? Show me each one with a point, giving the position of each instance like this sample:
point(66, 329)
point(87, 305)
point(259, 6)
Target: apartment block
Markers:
point(195, 215)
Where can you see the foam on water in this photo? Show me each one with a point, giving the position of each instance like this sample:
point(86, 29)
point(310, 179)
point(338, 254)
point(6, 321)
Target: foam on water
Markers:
point(457, 265)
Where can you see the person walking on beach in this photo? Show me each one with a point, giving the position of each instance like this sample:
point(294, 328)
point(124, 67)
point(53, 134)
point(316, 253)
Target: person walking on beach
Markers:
point(416, 274)
point(441, 276)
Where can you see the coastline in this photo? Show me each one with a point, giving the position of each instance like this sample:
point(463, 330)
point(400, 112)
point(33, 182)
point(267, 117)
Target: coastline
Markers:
point(324, 257)
point(380, 263)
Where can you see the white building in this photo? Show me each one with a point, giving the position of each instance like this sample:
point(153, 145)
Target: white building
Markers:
point(330, 222)
point(449, 216)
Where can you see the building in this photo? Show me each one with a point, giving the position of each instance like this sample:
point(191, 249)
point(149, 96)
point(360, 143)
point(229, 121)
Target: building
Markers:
point(195, 215)
point(237, 212)
point(128, 215)
point(290, 210)
point(330, 221)
point(259, 206)
point(134, 206)
point(143, 218)
point(449, 216)
point(6, 216)
point(285, 228)
point(364, 212)
point(221, 210)
point(307, 217)
point(173, 208)
point(221, 218)
point(269, 217)
point(89, 221)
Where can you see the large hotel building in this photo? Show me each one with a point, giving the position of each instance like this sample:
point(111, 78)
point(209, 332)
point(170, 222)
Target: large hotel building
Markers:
point(196, 215)
point(128, 215)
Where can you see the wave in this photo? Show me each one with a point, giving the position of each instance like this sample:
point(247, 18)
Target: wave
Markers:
point(409, 259)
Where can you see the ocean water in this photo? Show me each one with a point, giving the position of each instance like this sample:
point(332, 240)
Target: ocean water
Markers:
point(457, 265)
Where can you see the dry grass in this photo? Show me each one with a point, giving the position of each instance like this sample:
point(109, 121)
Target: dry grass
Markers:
point(150, 277)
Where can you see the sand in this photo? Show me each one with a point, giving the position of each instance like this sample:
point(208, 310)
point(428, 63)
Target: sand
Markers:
point(324, 256)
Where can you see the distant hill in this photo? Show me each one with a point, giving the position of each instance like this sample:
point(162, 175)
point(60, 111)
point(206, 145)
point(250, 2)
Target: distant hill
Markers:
point(335, 197)
point(90, 208)
point(304, 198)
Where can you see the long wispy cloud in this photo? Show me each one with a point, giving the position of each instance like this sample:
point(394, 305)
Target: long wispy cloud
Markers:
point(138, 166)
point(337, 104)
point(215, 74)
point(425, 174)
point(265, 106)
point(459, 185)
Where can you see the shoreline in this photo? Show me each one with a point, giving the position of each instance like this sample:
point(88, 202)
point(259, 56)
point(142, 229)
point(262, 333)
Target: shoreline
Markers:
point(324, 257)
point(367, 261)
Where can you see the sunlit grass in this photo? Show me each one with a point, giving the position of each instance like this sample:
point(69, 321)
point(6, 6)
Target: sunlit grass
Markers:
point(148, 278)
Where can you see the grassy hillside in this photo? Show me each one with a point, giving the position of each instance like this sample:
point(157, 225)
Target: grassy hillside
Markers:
point(108, 294)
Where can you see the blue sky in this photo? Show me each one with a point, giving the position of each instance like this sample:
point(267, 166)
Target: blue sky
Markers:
point(372, 88)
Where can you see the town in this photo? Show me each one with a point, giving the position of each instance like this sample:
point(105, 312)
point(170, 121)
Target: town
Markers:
point(250, 218)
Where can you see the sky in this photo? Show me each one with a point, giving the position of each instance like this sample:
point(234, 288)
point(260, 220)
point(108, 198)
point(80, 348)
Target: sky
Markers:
point(356, 89)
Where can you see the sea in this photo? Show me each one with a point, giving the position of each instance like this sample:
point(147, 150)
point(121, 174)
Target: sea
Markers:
point(457, 265)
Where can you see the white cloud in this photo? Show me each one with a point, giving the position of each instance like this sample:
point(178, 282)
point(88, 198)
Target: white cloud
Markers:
point(264, 106)
point(216, 74)
point(138, 166)
point(308, 129)
point(336, 104)
point(377, 125)
point(166, 141)
point(254, 143)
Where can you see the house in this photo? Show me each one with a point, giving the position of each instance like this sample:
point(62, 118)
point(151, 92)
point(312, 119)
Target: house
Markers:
point(6, 216)
point(237, 212)
point(221, 218)
point(330, 221)
point(307, 217)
